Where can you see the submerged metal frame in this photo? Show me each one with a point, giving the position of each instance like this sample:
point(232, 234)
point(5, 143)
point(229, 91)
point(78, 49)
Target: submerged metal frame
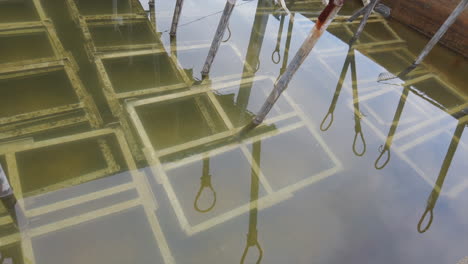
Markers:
point(54, 117)
point(135, 4)
point(272, 197)
point(85, 21)
point(139, 182)
point(68, 114)
point(114, 98)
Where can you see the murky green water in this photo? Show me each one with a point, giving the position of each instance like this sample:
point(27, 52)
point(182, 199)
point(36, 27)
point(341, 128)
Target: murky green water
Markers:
point(117, 151)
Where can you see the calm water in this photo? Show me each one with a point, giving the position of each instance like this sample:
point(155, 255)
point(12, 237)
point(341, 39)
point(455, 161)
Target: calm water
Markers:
point(117, 151)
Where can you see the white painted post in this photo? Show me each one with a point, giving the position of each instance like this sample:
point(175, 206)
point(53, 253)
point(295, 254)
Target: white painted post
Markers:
point(176, 17)
point(432, 200)
point(228, 8)
point(363, 23)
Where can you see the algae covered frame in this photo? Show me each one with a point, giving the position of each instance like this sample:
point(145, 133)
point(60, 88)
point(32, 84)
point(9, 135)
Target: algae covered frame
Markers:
point(83, 111)
point(138, 16)
point(145, 198)
point(54, 117)
point(295, 119)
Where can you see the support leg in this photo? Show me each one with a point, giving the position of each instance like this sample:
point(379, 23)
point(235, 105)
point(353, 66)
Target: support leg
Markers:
point(175, 18)
point(363, 23)
point(438, 35)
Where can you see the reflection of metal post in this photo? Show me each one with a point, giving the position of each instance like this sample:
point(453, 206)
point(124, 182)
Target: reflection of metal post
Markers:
point(432, 200)
point(357, 112)
point(252, 60)
point(287, 46)
point(325, 18)
point(252, 235)
point(205, 183)
point(363, 23)
point(339, 85)
point(350, 60)
point(276, 53)
point(9, 200)
point(228, 8)
point(393, 128)
point(175, 18)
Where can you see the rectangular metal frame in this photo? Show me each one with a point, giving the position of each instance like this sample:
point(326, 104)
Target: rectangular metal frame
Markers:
point(139, 182)
point(84, 21)
point(114, 98)
point(272, 197)
point(55, 117)
point(83, 111)
point(26, 28)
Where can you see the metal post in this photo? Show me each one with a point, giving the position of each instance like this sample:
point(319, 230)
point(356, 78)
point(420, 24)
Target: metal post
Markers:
point(252, 235)
point(363, 23)
point(228, 8)
point(438, 35)
point(325, 18)
point(432, 200)
point(176, 16)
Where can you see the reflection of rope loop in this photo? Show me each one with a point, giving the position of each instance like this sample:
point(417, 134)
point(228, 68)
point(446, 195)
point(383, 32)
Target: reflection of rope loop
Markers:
point(278, 56)
point(246, 250)
point(359, 132)
point(431, 217)
point(325, 119)
point(206, 183)
point(382, 150)
point(229, 36)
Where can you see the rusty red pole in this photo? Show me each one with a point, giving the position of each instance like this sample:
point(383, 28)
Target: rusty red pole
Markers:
point(324, 20)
